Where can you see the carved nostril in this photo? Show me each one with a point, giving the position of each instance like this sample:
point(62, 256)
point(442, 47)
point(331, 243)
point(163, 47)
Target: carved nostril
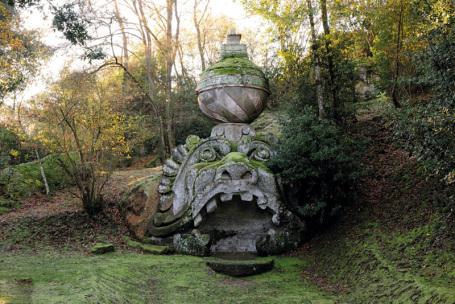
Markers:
point(247, 176)
point(225, 175)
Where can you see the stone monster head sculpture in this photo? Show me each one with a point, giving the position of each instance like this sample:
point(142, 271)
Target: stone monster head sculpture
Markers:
point(221, 185)
point(205, 173)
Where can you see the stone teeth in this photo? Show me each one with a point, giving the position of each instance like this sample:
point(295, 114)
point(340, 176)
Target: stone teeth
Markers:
point(246, 196)
point(197, 220)
point(262, 202)
point(211, 205)
point(226, 197)
point(276, 219)
point(169, 171)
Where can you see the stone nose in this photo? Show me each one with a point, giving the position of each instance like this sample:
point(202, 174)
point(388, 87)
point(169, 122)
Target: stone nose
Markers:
point(237, 172)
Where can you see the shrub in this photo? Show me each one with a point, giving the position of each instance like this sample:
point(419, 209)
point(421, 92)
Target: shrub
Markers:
point(427, 128)
point(315, 161)
point(428, 132)
point(25, 179)
point(9, 146)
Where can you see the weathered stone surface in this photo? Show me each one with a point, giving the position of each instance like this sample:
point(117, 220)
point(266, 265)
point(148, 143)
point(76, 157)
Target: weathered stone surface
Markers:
point(101, 248)
point(192, 244)
point(140, 204)
point(238, 268)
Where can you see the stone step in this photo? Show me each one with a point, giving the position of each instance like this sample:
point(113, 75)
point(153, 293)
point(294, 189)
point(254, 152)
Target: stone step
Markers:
point(239, 268)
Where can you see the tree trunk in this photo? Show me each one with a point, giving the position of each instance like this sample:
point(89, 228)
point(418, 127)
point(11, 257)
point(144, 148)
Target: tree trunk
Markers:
point(147, 42)
point(197, 25)
point(317, 62)
point(43, 174)
point(170, 57)
point(125, 55)
point(118, 16)
point(396, 74)
point(331, 67)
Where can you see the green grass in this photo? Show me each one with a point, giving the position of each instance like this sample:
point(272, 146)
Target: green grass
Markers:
point(135, 278)
point(380, 265)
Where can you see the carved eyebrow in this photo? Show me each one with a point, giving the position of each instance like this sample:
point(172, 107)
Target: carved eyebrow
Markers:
point(247, 148)
point(220, 146)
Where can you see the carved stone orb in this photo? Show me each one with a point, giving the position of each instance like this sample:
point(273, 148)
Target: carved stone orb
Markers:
point(234, 89)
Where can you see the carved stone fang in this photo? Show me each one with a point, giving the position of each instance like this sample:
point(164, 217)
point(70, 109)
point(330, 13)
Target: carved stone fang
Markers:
point(276, 219)
point(262, 203)
point(197, 220)
point(179, 153)
point(169, 171)
point(163, 189)
point(211, 205)
point(172, 164)
point(225, 197)
point(246, 196)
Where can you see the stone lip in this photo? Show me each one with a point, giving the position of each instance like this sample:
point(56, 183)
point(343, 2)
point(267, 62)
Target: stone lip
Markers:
point(239, 268)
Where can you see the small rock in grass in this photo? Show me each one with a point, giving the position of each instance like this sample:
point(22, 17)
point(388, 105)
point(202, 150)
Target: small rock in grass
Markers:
point(151, 249)
point(101, 248)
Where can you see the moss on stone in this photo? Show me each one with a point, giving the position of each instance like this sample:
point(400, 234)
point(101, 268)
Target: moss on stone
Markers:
point(147, 248)
point(191, 143)
point(233, 157)
point(198, 245)
point(101, 248)
point(233, 66)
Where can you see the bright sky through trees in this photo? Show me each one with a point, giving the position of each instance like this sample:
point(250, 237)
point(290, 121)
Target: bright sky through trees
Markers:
point(67, 54)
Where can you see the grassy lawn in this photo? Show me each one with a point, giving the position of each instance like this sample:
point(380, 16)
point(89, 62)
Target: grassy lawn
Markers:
point(136, 278)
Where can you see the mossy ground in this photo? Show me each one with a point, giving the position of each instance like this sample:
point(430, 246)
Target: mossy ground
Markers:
point(396, 242)
point(135, 278)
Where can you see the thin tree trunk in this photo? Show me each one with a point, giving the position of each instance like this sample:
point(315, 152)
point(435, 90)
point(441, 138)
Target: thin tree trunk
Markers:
point(118, 16)
point(147, 42)
point(43, 174)
point(170, 57)
point(396, 74)
point(317, 63)
point(197, 24)
point(331, 67)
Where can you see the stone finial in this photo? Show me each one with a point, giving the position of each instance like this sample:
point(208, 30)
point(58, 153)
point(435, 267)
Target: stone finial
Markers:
point(233, 37)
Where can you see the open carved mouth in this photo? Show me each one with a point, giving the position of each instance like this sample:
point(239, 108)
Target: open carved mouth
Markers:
point(226, 192)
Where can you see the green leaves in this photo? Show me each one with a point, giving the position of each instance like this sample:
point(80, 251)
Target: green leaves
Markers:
point(317, 158)
point(71, 24)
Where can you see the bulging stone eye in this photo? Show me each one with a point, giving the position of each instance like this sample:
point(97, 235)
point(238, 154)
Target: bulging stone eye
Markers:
point(207, 154)
point(261, 153)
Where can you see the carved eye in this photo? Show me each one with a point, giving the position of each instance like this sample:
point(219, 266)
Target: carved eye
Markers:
point(207, 154)
point(261, 153)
